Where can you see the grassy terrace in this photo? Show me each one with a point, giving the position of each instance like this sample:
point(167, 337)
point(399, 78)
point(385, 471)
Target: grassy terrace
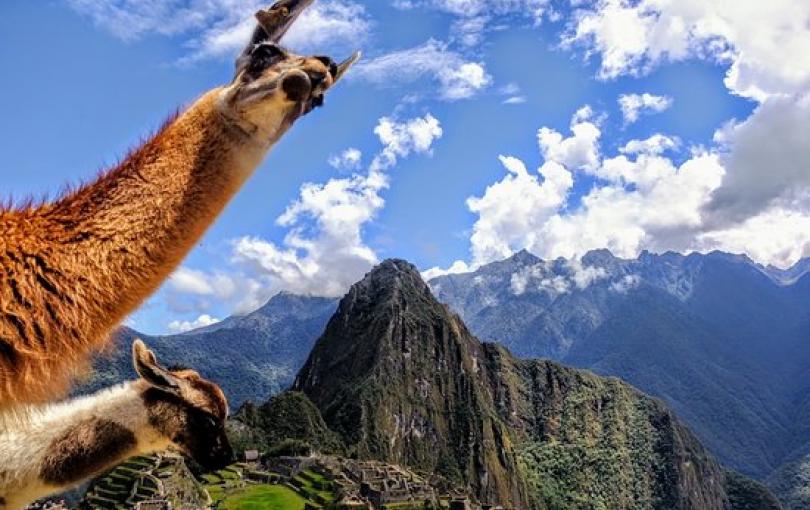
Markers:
point(229, 491)
point(264, 497)
point(113, 490)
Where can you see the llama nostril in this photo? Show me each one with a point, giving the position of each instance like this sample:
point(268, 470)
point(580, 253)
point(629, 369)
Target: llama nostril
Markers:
point(316, 78)
point(297, 86)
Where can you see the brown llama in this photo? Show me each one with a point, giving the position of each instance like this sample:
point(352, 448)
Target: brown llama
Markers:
point(73, 269)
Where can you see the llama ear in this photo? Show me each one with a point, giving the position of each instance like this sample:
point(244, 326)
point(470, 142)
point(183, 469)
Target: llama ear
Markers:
point(147, 367)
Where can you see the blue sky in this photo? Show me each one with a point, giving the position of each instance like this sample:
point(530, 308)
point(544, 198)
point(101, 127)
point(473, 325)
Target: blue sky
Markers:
point(459, 83)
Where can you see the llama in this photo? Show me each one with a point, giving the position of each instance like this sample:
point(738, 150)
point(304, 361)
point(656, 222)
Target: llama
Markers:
point(63, 445)
point(73, 269)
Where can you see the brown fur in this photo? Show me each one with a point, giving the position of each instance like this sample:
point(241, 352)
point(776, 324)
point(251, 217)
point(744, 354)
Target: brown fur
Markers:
point(86, 450)
point(72, 270)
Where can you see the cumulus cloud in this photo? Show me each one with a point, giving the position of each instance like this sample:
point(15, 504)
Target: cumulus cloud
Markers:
point(221, 28)
point(768, 161)
point(457, 77)
point(457, 267)
point(324, 251)
point(515, 207)
point(767, 45)
point(766, 50)
point(580, 151)
point(349, 159)
point(640, 200)
point(777, 236)
point(200, 322)
point(656, 144)
point(191, 281)
point(635, 105)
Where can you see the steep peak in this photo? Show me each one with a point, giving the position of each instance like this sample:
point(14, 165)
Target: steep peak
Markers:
point(603, 257)
point(389, 278)
point(286, 302)
point(524, 258)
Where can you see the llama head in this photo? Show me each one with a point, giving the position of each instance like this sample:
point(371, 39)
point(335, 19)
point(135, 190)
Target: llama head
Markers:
point(272, 86)
point(185, 408)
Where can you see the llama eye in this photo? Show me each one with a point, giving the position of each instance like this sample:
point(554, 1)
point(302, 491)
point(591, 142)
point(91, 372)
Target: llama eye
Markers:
point(212, 423)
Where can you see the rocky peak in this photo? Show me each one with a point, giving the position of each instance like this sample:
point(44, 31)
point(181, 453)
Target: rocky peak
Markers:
point(599, 258)
point(524, 258)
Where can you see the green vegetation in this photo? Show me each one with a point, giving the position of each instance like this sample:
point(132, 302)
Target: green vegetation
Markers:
point(264, 497)
point(288, 424)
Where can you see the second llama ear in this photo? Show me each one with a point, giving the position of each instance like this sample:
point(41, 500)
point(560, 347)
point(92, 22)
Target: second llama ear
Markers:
point(147, 367)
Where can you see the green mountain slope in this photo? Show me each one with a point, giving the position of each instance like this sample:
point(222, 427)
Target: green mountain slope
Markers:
point(399, 378)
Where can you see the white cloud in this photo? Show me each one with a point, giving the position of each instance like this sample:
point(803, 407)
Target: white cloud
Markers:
point(456, 267)
point(476, 16)
point(766, 44)
point(349, 159)
point(472, 8)
point(516, 207)
point(641, 200)
point(626, 284)
point(515, 100)
point(556, 279)
point(324, 251)
point(777, 236)
point(580, 151)
point(768, 161)
point(635, 105)
point(221, 28)
point(457, 77)
point(583, 276)
point(191, 281)
point(766, 48)
point(184, 326)
point(513, 94)
point(656, 144)
point(400, 139)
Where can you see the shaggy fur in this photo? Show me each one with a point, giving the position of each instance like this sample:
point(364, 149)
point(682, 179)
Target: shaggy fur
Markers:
point(73, 269)
point(63, 445)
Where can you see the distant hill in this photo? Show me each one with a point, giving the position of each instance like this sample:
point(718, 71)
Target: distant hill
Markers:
point(251, 357)
point(400, 378)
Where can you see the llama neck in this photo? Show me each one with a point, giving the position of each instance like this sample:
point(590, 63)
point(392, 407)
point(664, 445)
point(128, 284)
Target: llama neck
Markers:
point(129, 230)
point(122, 405)
point(68, 443)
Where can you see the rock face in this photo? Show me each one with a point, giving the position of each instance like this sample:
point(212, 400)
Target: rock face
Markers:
point(400, 378)
point(722, 340)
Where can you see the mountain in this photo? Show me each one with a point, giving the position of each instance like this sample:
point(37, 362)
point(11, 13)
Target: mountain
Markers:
point(721, 339)
point(400, 378)
point(251, 356)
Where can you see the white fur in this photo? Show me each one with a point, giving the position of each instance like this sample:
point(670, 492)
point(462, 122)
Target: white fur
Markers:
point(24, 445)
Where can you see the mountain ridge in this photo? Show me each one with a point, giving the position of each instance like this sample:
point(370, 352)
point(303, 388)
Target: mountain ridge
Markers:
point(400, 378)
point(715, 336)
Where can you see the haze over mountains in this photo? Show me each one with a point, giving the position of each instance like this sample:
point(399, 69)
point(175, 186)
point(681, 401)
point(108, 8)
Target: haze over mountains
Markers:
point(724, 341)
point(399, 378)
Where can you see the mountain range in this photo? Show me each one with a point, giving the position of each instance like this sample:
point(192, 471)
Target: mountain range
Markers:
point(722, 340)
point(399, 378)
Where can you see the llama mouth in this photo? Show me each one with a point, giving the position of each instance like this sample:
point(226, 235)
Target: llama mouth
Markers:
point(272, 24)
point(277, 20)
